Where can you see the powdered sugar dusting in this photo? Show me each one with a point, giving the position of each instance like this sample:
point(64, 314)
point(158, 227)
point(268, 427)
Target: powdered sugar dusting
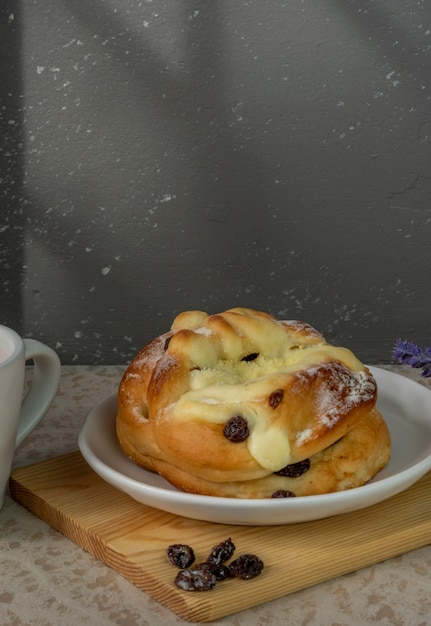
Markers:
point(351, 390)
point(303, 436)
point(301, 327)
point(149, 356)
point(341, 392)
point(204, 330)
point(165, 364)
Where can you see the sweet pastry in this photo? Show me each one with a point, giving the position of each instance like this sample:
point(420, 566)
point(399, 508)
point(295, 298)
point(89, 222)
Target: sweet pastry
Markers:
point(240, 404)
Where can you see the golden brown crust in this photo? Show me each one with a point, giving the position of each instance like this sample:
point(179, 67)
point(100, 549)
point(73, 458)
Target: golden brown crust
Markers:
point(350, 462)
point(297, 394)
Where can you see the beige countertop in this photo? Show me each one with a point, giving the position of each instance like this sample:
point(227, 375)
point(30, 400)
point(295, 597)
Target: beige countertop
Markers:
point(47, 580)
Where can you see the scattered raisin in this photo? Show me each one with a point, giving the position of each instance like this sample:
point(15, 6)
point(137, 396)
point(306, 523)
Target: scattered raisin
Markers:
point(283, 493)
point(167, 342)
point(275, 398)
point(221, 553)
point(196, 579)
point(180, 555)
point(236, 429)
point(204, 576)
point(250, 357)
point(294, 469)
point(221, 572)
point(204, 565)
point(246, 566)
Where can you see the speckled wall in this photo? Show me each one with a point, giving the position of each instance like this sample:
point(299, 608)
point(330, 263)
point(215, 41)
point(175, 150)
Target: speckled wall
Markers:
point(163, 155)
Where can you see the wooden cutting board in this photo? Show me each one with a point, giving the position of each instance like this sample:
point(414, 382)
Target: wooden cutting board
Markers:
point(132, 538)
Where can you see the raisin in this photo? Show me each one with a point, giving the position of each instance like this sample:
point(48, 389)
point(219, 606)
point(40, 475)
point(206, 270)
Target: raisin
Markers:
point(196, 579)
point(275, 398)
point(204, 565)
point(294, 469)
point(167, 342)
point(221, 572)
point(236, 429)
point(250, 357)
point(283, 493)
point(221, 553)
point(246, 566)
point(180, 555)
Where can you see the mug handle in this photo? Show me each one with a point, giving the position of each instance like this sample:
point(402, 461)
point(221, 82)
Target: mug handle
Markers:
point(43, 387)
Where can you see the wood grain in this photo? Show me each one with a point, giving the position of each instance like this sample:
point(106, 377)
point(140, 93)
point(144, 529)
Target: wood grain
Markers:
point(131, 538)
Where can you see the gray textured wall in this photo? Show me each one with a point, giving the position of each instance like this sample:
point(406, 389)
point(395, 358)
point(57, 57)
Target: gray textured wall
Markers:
point(163, 155)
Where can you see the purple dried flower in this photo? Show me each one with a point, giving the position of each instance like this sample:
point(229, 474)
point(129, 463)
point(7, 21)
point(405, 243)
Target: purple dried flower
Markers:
point(408, 353)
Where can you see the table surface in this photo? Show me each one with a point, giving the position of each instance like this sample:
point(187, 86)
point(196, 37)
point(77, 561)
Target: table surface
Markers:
point(46, 579)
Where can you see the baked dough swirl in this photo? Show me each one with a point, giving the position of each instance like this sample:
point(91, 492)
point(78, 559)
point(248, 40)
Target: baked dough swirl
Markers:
point(240, 404)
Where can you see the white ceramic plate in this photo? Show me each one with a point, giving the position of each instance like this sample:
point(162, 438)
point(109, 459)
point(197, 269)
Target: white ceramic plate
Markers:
point(405, 404)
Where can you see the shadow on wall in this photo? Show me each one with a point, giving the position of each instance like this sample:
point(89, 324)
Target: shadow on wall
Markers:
point(12, 220)
point(228, 191)
point(220, 172)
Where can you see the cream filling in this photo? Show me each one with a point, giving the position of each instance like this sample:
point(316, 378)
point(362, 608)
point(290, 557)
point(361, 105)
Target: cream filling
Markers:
point(230, 388)
point(235, 372)
point(270, 447)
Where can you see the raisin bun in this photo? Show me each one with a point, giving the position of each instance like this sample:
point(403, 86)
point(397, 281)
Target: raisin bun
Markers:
point(240, 404)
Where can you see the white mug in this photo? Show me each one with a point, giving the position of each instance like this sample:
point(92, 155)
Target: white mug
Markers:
point(19, 412)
